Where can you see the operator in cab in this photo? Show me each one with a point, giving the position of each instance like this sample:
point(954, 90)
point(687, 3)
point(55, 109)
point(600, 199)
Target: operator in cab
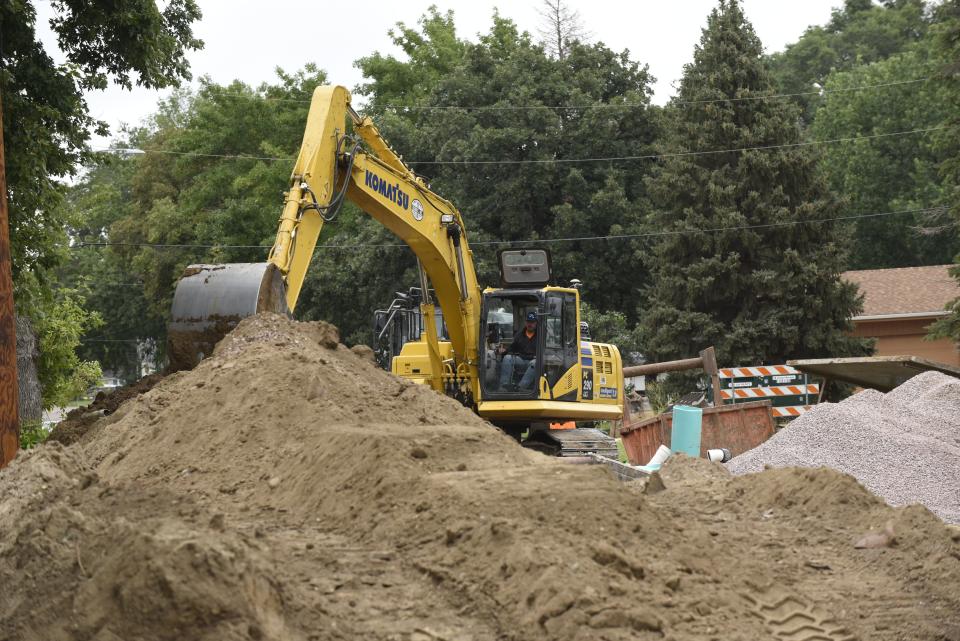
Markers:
point(521, 354)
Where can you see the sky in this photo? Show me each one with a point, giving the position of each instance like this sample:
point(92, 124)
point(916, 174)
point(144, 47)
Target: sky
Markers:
point(247, 39)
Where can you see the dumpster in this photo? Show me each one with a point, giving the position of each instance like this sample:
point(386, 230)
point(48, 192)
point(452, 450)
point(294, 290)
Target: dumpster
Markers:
point(738, 428)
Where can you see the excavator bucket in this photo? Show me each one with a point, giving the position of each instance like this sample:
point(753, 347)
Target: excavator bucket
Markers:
point(211, 299)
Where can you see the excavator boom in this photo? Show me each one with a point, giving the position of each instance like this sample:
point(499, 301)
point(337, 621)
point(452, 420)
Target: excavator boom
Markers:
point(332, 167)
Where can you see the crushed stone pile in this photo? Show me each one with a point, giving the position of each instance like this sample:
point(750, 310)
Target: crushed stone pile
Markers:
point(287, 488)
point(903, 445)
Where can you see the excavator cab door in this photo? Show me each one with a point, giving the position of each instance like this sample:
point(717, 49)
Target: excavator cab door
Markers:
point(506, 375)
point(561, 350)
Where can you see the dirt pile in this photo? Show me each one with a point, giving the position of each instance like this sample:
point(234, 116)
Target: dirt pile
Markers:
point(903, 445)
point(79, 420)
point(362, 506)
point(80, 559)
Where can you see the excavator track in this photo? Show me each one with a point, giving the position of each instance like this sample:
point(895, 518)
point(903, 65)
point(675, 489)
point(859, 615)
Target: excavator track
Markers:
point(581, 441)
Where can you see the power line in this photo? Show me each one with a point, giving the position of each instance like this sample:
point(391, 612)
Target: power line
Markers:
point(81, 245)
point(542, 161)
point(678, 154)
point(673, 102)
point(130, 151)
point(626, 105)
point(484, 243)
point(683, 232)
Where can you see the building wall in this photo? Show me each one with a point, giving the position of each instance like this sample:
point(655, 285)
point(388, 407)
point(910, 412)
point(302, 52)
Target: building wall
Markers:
point(906, 338)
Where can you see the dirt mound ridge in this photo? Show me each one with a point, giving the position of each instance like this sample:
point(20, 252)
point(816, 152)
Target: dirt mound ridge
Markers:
point(281, 410)
point(83, 560)
point(382, 510)
point(81, 419)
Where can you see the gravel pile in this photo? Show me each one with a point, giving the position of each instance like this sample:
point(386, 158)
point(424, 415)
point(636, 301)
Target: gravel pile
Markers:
point(903, 446)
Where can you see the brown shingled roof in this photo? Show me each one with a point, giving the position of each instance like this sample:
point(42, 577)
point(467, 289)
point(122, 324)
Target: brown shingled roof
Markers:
point(905, 290)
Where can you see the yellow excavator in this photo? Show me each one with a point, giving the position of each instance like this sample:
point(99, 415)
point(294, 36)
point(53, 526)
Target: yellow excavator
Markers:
point(514, 353)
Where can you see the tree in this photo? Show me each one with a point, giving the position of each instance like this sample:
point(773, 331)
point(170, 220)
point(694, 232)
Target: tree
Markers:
point(758, 287)
point(611, 327)
point(540, 116)
point(861, 32)
point(502, 98)
point(432, 53)
point(948, 141)
point(127, 42)
point(63, 376)
point(49, 126)
point(107, 283)
point(219, 188)
point(888, 173)
point(561, 25)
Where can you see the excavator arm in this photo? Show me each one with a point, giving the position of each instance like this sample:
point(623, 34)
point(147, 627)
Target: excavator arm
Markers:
point(332, 167)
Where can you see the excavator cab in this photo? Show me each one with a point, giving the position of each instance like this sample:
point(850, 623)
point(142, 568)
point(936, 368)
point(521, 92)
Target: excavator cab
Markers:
point(547, 318)
point(512, 354)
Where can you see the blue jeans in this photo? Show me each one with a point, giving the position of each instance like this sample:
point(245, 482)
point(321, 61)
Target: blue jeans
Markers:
point(512, 362)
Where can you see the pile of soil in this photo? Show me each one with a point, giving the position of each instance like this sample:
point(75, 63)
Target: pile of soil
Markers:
point(903, 445)
point(314, 496)
point(79, 420)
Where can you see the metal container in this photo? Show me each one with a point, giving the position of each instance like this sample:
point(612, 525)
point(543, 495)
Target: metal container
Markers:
point(738, 428)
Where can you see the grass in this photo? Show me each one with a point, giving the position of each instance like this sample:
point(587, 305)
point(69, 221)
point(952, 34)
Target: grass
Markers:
point(621, 451)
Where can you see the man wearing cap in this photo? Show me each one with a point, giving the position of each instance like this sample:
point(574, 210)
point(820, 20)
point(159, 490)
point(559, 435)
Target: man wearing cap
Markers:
point(522, 352)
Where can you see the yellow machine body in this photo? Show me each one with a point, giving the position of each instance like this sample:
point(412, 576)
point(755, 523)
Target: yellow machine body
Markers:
point(589, 389)
point(333, 166)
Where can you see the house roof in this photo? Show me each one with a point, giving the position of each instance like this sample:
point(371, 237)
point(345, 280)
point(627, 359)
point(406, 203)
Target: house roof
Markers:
point(904, 291)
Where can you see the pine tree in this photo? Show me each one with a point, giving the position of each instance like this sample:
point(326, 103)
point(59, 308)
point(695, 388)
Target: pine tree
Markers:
point(948, 141)
point(733, 269)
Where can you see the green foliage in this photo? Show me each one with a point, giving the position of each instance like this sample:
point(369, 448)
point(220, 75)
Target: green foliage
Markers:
point(48, 124)
point(542, 199)
point(63, 376)
point(868, 43)
point(659, 394)
point(432, 53)
point(46, 135)
point(759, 295)
point(889, 174)
point(115, 39)
point(861, 32)
point(187, 198)
point(107, 283)
point(611, 327)
point(947, 52)
point(32, 433)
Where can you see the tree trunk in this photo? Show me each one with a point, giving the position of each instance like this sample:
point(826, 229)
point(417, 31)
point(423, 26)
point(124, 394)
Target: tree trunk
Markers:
point(31, 403)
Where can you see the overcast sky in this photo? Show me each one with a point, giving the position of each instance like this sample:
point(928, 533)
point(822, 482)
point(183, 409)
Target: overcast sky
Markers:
point(247, 39)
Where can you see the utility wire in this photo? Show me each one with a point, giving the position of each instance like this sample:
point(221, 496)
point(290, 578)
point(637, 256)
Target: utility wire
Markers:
point(626, 105)
point(541, 241)
point(678, 154)
point(542, 161)
point(130, 151)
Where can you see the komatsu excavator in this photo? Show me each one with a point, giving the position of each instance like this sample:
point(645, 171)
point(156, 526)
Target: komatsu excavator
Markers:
point(568, 380)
